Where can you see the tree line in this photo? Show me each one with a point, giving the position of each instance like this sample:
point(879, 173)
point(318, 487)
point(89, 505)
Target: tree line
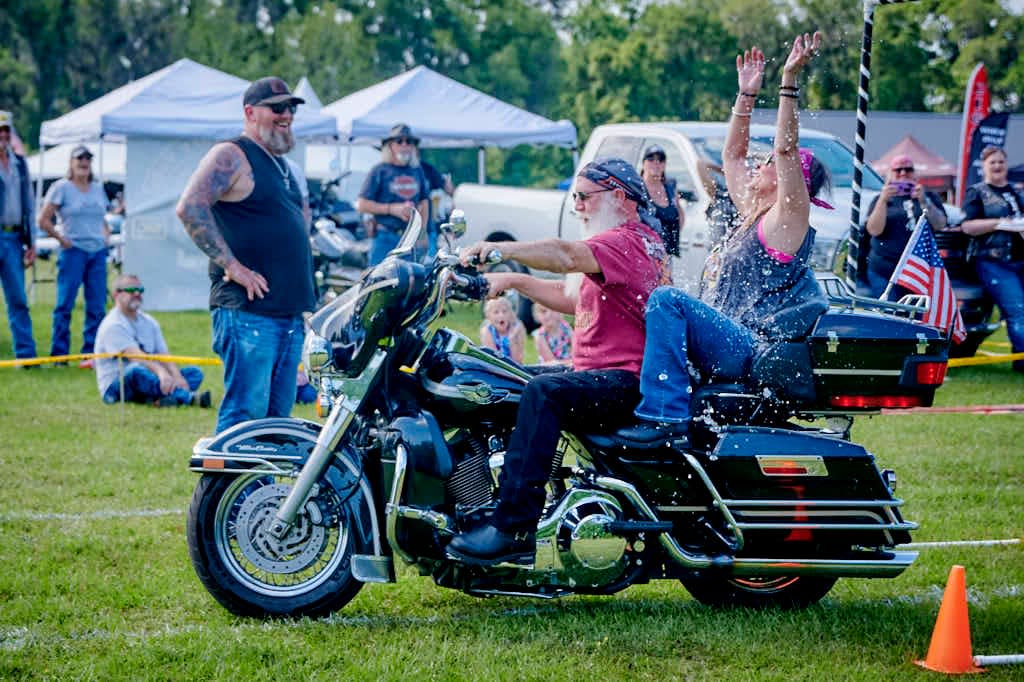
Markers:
point(591, 61)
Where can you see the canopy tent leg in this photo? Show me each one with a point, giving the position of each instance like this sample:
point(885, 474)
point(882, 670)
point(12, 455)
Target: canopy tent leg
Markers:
point(481, 166)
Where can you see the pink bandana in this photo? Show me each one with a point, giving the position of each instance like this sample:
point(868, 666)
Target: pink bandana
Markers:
point(805, 165)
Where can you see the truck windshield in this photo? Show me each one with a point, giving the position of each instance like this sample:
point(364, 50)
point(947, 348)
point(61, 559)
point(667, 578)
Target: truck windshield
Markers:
point(833, 153)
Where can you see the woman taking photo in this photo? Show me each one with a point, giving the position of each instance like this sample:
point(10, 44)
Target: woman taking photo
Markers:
point(80, 202)
point(668, 209)
point(760, 269)
point(994, 215)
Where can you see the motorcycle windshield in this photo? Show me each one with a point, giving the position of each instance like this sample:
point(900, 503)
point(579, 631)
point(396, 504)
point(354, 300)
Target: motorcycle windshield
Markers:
point(409, 237)
point(337, 314)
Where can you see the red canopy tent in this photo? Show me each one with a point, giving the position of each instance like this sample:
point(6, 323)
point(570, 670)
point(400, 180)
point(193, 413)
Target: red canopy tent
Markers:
point(933, 171)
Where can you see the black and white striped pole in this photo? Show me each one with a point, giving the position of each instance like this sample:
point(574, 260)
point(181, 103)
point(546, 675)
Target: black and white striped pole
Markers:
point(862, 125)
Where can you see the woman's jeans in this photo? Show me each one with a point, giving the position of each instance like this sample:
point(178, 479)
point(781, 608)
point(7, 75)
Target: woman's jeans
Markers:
point(1005, 284)
point(681, 330)
point(261, 361)
point(141, 385)
point(76, 267)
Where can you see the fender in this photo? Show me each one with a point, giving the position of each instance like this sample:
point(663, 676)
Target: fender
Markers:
point(280, 445)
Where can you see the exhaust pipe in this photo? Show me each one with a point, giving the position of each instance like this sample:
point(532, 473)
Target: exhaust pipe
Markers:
point(888, 565)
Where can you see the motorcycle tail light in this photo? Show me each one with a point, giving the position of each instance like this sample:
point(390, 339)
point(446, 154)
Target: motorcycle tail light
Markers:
point(873, 401)
point(931, 373)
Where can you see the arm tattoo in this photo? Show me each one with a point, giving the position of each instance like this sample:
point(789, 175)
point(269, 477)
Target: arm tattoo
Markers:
point(205, 189)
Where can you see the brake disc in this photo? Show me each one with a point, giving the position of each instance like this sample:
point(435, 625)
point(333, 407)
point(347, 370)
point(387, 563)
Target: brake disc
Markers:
point(299, 549)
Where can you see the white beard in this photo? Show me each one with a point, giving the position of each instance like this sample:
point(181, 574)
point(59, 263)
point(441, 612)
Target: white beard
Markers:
point(605, 216)
point(276, 140)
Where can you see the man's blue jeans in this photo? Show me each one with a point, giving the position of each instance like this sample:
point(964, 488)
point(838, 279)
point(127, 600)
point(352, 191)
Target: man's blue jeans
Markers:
point(12, 276)
point(75, 268)
point(141, 385)
point(383, 242)
point(681, 329)
point(1005, 284)
point(261, 362)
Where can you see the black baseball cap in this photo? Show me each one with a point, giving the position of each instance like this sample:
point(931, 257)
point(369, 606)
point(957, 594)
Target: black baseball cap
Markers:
point(270, 90)
point(655, 150)
point(400, 130)
point(80, 151)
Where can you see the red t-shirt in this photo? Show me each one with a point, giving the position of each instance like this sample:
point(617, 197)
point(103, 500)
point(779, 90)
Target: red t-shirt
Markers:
point(610, 311)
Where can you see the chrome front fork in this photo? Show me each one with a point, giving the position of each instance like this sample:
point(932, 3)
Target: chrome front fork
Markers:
point(344, 407)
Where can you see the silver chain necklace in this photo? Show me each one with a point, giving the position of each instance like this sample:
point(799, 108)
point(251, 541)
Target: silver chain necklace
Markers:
point(282, 166)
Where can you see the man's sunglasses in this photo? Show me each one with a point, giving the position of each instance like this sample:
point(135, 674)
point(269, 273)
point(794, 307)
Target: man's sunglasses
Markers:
point(403, 140)
point(655, 157)
point(903, 169)
point(583, 196)
point(132, 290)
point(281, 107)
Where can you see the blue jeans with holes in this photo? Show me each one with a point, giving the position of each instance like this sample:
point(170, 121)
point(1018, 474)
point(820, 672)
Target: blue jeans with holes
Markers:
point(75, 268)
point(681, 330)
point(12, 276)
point(261, 362)
point(141, 385)
point(1005, 284)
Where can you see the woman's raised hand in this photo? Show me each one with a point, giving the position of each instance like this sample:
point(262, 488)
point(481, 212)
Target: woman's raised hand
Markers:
point(805, 48)
point(750, 70)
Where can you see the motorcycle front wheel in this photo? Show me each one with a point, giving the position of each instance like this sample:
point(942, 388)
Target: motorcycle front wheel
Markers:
point(781, 592)
point(252, 573)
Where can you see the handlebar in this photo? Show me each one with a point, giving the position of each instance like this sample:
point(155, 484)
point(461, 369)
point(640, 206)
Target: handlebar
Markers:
point(493, 257)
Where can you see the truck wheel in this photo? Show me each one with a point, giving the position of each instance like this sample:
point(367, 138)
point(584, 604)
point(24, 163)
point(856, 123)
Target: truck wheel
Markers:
point(523, 306)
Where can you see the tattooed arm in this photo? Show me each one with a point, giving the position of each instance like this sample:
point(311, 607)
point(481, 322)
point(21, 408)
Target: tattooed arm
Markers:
point(224, 174)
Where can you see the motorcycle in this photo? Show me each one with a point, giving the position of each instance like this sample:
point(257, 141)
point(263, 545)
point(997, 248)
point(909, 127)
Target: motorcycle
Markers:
point(291, 518)
point(340, 249)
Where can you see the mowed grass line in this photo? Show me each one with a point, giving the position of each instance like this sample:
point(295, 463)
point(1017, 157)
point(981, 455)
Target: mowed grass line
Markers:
point(116, 598)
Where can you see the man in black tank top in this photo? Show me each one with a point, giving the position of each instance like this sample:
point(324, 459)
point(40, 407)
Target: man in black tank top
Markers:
point(243, 208)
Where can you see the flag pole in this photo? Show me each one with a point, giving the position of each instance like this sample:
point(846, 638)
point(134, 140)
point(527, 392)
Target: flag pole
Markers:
point(907, 250)
point(853, 246)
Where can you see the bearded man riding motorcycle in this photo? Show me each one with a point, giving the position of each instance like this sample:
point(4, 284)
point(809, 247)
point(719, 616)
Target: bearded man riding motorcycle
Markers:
point(621, 261)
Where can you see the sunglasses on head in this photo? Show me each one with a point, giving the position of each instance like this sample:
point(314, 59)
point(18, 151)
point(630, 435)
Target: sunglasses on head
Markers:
point(903, 169)
point(281, 107)
point(583, 196)
point(132, 290)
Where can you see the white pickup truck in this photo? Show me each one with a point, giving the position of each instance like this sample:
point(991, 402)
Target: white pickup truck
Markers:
point(494, 212)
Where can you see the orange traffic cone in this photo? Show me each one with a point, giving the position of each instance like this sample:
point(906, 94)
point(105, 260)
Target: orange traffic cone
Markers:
point(950, 649)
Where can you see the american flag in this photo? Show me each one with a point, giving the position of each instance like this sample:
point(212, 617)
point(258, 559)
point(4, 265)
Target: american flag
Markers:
point(922, 272)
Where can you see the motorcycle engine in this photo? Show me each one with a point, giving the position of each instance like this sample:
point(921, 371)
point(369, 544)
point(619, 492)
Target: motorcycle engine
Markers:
point(573, 541)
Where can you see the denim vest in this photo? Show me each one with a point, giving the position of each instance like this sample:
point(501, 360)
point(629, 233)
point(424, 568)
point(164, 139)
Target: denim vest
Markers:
point(27, 201)
point(998, 244)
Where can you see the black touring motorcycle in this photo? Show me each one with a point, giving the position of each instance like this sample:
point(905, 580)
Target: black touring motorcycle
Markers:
point(291, 517)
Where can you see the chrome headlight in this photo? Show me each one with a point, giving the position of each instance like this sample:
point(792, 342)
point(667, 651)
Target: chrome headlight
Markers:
point(316, 355)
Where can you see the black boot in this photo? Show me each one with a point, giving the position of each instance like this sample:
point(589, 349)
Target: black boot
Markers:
point(487, 545)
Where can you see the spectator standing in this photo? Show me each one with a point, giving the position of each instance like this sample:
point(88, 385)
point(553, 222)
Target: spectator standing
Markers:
point(668, 208)
point(392, 190)
point(17, 248)
point(243, 208)
point(892, 216)
point(436, 182)
point(126, 329)
point(994, 213)
point(79, 201)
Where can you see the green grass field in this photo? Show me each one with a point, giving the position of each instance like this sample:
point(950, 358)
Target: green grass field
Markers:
point(96, 583)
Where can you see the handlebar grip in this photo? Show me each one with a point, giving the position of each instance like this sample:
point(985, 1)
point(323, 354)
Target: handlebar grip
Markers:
point(493, 257)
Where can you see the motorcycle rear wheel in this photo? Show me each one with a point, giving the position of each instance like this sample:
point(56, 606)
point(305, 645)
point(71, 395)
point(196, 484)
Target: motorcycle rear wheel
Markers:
point(308, 573)
point(779, 592)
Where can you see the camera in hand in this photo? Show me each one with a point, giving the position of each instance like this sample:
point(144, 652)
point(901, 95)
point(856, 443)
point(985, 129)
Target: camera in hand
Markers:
point(903, 189)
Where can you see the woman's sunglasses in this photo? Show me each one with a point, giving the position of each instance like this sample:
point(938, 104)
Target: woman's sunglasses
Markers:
point(655, 157)
point(903, 169)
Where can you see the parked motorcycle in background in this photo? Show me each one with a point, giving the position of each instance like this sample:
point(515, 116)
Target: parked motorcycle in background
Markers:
point(767, 505)
point(338, 241)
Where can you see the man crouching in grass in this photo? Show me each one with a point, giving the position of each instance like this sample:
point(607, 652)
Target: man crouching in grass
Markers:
point(126, 329)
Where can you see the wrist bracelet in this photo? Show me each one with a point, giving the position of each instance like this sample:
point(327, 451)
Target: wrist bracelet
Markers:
point(740, 113)
point(795, 88)
point(748, 94)
point(791, 95)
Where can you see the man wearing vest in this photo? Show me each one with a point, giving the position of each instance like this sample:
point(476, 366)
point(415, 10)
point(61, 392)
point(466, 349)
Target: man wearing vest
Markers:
point(17, 248)
point(243, 208)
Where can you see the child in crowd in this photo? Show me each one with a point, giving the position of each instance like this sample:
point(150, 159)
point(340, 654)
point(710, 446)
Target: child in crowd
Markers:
point(502, 331)
point(553, 338)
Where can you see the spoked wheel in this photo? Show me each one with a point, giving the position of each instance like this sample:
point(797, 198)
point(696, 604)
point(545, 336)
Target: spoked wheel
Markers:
point(252, 573)
point(783, 592)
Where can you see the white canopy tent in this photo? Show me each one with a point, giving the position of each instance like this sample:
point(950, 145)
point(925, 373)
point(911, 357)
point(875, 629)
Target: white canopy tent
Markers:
point(443, 113)
point(168, 121)
point(111, 167)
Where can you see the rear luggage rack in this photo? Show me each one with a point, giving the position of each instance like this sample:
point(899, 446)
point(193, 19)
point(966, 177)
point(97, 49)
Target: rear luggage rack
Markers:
point(839, 294)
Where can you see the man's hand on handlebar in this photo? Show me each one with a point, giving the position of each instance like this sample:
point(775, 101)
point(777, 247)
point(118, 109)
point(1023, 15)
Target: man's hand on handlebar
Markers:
point(500, 282)
point(481, 254)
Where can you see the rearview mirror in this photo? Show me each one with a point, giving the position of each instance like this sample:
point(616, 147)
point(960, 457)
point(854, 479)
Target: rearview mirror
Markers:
point(456, 225)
